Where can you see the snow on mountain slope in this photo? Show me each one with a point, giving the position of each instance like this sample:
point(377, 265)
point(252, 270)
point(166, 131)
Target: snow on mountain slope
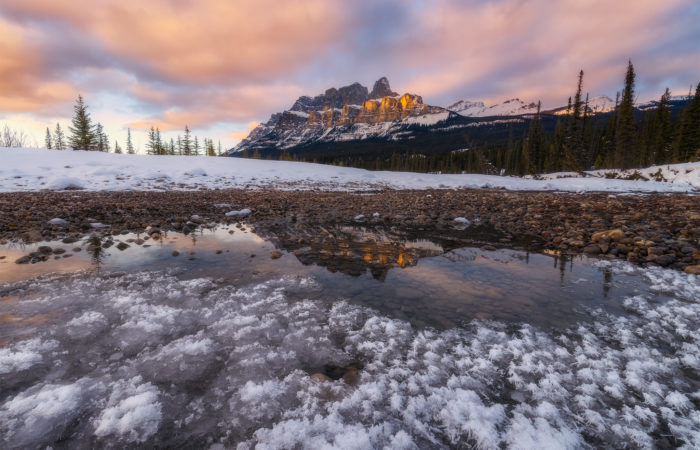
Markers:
point(37, 169)
point(512, 107)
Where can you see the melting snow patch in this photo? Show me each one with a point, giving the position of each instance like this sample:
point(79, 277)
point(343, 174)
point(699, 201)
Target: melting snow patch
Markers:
point(242, 212)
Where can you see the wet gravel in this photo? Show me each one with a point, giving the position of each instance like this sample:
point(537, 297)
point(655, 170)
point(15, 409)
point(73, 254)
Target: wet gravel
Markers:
point(655, 229)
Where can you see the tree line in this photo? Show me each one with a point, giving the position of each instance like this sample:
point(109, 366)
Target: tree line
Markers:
point(84, 135)
point(625, 138)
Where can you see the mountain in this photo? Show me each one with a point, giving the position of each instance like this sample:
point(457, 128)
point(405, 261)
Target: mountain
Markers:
point(596, 105)
point(355, 123)
point(343, 114)
point(512, 107)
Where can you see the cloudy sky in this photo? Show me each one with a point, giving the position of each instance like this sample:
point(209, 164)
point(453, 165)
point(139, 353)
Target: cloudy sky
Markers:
point(221, 66)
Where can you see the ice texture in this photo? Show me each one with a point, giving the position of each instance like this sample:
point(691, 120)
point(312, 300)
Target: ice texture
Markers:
point(150, 359)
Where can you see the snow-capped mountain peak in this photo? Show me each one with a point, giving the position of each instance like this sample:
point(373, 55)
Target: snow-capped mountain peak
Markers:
point(511, 107)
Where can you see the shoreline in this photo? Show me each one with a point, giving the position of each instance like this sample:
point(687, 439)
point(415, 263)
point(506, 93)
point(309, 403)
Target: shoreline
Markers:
point(658, 229)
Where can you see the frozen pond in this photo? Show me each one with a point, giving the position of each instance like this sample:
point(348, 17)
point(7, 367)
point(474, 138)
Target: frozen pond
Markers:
point(367, 340)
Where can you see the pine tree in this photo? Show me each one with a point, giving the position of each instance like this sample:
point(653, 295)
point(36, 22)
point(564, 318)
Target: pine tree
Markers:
point(159, 143)
point(152, 143)
point(171, 150)
point(626, 155)
point(195, 147)
point(47, 140)
point(534, 144)
point(220, 153)
point(117, 148)
point(210, 148)
point(59, 142)
point(187, 143)
point(102, 138)
point(660, 144)
point(83, 131)
point(179, 145)
point(129, 144)
point(689, 137)
point(99, 136)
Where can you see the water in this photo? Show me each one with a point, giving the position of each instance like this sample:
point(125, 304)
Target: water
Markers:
point(416, 280)
point(353, 338)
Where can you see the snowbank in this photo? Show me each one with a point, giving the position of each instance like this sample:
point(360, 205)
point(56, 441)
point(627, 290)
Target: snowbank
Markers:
point(36, 169)
point(687, 173)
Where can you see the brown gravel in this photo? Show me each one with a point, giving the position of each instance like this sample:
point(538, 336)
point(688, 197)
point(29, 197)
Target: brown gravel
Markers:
point(658, 229)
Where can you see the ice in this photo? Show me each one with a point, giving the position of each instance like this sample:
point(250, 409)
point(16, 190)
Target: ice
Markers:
point(152, 360)
point(237, 213)
point(132, 413)
point(58, 221)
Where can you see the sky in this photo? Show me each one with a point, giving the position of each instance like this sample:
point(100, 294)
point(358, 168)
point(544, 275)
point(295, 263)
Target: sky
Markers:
point(222, 66)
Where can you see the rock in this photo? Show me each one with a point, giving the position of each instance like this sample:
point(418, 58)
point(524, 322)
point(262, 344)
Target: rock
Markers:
point(321, 377)
point(69, 240)
point(59, 251)
point(77, 249)
point(488, 247)
point(592, 249)
point(656, 251)
point(175, 253)
point(275, 254)
point(23, 260)
point(693, 270)
point(614, 235)
point(45, 249)
point(665, 260)
point(218, 252)
point(123, 246)
point(139, 241)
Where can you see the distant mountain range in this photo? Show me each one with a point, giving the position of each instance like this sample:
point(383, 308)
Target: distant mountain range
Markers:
point(353, 114)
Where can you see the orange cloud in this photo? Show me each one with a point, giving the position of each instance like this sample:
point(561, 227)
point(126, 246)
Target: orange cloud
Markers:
point(240, 135)
point(22, 87)
point(202, 41)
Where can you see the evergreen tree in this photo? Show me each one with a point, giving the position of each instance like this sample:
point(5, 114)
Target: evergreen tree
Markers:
point(59, 142)
point(102, 139)
point(152, 143)
point(187, 142)
point(82, 130)
point(179, 145)
point(171, 150)
point(47, 140)
point(98, 137)
point(117, 148)
point(626, 155)
point(219, 152)
point(689, 135)
point(534, 144)
point(195, 147)
point(129, 145)
point(660, 143)
point(159, 143)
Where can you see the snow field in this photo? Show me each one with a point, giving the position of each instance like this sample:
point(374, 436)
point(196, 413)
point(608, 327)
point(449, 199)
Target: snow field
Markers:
point(150, 359)
point(37, 169)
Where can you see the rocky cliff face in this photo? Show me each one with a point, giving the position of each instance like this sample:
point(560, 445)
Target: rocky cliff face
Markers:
point(345, 113)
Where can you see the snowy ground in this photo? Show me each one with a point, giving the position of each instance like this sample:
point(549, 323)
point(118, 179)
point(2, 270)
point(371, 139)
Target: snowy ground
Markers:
point(36, 169)
point(687, 173)
point(152, 360)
